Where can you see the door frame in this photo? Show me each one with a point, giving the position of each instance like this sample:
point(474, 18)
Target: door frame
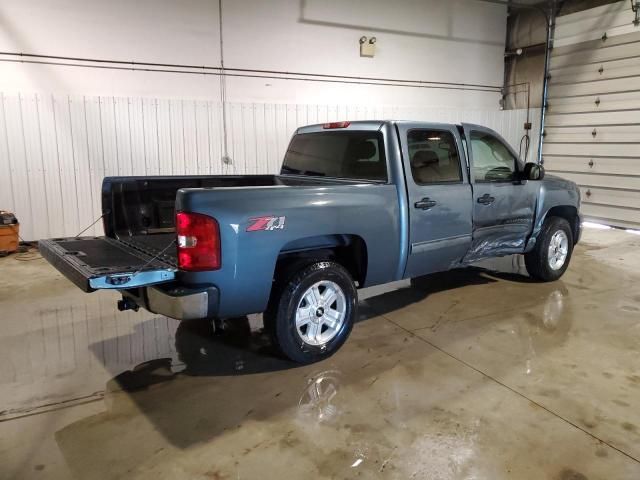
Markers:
point(461, 241)
point(468, 128)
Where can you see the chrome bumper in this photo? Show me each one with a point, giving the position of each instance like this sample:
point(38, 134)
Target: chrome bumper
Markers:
point(180, 303)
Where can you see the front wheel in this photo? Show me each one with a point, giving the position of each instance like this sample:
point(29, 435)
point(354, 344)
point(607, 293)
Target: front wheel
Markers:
point(311, 316)
point(550, 257)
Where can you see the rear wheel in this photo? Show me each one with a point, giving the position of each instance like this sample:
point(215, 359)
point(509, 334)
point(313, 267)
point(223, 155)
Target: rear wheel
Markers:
point(311, 316)
point(550, 257)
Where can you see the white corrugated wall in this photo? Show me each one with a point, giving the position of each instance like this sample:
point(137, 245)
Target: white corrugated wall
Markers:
point(57, 149)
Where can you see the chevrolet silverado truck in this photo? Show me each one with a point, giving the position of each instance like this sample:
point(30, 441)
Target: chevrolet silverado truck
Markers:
point(355, 204)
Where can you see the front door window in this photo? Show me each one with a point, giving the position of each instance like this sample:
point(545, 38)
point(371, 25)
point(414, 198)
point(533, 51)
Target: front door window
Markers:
point(492, 160)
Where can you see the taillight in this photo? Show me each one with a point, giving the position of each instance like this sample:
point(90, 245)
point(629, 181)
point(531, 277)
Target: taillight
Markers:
point(198, 242)
point(332, 125)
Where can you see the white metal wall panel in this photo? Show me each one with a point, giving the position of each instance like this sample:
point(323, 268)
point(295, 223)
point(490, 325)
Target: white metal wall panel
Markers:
point(584, 73)
point(600, 134)
point(611, 181)
point(595, 103)
point(594, 149)
point(55, 150)
point(593, 51)
point(592, 128)
point(596, 87)
point(595, 166)
point(592, 24)
point(613, 117)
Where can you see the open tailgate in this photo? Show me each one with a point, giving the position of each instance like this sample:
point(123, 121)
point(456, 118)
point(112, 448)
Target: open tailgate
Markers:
point(94, 263)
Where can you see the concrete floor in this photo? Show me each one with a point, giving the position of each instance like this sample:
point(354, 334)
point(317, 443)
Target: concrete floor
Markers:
point(476, 374)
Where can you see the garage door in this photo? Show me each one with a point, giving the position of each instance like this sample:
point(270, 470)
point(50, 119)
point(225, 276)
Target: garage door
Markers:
point(592, 129)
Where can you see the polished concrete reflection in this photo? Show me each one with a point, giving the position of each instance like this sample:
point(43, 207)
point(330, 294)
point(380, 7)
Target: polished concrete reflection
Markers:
point(478, 373)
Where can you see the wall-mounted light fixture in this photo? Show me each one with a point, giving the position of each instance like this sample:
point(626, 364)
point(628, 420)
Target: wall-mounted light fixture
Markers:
point(513, 53)
point(367, 46)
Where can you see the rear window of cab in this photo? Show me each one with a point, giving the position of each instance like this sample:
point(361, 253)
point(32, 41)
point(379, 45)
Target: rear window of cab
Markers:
point(353, 155)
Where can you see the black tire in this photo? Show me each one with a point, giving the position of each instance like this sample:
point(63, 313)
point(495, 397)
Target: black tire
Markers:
point(537, 260)
point(279, 319)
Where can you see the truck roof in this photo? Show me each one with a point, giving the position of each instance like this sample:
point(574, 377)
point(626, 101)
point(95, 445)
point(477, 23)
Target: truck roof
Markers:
point(376, 124)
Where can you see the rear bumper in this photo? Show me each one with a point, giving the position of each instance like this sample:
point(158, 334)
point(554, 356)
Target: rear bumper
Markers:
point(181, 303)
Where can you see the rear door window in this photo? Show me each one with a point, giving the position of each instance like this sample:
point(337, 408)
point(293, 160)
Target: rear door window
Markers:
point(434, 157)
point(356, 155)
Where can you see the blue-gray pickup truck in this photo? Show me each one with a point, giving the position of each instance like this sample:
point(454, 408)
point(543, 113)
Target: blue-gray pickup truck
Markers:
point(356, 204)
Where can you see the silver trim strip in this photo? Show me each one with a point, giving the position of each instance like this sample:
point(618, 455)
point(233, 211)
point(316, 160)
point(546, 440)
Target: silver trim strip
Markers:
point(429, 245)
point(119, 281)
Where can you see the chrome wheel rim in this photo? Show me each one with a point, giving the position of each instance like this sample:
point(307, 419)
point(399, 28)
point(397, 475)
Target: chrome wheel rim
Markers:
point(321, 313)
point(558, 250)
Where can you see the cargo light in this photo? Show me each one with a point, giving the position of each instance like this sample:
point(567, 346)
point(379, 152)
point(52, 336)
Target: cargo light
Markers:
point(331, 125)
point(198, 242)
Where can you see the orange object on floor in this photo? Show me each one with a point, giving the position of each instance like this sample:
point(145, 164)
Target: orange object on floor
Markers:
point(9, 230)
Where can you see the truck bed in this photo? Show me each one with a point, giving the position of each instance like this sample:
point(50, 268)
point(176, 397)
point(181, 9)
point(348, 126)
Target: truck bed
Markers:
point(141, 210)
point(161, 245)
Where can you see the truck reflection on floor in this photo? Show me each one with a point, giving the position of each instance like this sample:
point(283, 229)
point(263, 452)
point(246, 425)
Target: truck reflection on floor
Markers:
point(237, 350)
point(549, 323)
point(318, 401)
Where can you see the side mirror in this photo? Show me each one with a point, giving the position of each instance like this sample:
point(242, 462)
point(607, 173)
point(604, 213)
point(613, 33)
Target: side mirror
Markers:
point(533, 171)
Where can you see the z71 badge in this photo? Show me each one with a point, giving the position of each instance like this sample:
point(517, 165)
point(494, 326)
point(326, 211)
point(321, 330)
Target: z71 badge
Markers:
point(269, 223)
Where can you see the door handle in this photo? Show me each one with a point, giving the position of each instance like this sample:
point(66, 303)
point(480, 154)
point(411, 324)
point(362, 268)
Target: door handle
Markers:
point(425, 204)
point(486, 199)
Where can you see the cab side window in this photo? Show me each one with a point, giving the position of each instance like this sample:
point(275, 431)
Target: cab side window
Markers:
point(434, 157)
point(491, 159)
